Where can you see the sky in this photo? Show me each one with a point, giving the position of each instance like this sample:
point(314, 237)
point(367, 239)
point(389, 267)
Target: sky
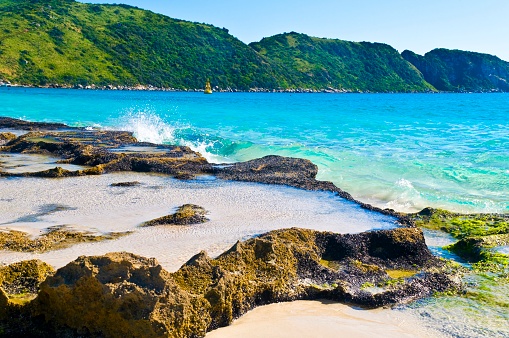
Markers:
point(418, 25)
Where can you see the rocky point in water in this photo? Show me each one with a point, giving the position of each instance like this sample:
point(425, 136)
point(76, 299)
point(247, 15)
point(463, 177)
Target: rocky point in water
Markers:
point(121, 294)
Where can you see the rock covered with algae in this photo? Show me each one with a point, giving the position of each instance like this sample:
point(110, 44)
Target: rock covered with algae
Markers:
point(186, 214)
point(121, 294)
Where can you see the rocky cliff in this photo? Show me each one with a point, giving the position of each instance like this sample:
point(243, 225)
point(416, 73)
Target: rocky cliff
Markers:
point(460, 71)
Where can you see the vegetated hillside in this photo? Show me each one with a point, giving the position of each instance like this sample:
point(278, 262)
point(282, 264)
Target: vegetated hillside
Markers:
point(456, 70)
point(320, 63)
point(66, 42)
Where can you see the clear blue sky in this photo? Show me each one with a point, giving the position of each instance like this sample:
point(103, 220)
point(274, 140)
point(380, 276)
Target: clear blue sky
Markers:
point(418, 25)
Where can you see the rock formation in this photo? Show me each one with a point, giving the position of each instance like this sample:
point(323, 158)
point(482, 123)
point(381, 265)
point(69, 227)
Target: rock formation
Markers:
point(186, 214)
point(121, 294)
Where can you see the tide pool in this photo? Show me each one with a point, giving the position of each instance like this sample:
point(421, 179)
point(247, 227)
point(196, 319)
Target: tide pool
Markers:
point(400, 151)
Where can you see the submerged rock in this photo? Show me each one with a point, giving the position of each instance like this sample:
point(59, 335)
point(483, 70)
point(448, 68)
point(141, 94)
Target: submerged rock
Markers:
point(186, 214)
point(477, 235)
point(122, 294)
point(7, 122)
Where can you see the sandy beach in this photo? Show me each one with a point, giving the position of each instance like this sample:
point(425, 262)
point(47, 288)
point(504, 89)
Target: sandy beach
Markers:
point(323, 319)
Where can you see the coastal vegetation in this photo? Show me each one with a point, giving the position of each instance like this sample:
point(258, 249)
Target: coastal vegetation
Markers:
point(67, 43)
point(478, 237)
point(326, 63)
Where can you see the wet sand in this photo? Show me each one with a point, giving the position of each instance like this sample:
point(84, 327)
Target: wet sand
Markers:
point(323, 319)
point(237, 211)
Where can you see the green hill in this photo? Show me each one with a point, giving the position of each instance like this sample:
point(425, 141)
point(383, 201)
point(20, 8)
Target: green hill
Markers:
point(320, 63)
point(66, 42)
point(456, 70)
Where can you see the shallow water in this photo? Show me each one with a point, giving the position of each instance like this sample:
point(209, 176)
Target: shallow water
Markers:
point(237, 211)
point(30, 163)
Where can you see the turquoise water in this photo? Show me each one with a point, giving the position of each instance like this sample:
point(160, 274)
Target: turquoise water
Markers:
point(401, 151)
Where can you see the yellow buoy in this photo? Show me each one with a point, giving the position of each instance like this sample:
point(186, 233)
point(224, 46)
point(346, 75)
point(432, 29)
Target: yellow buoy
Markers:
point(208, 88)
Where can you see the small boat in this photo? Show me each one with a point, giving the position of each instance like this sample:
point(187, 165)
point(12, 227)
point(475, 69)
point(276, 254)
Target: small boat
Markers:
point(208, 88)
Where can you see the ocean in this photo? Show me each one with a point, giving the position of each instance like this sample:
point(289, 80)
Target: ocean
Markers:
point(399, 151)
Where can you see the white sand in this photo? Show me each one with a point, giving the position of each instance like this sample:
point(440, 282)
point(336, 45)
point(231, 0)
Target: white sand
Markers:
point(316, 319)
point(237, 211)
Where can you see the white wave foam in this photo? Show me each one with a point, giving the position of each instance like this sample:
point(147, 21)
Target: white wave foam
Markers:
point(147, 126)
point(404, 183)
point(202, 148)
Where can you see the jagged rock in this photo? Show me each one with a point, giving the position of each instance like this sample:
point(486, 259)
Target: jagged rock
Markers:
point(6, 137)
point(121, 294)
point(185, 215)
point(24, 277)
point(19, 285)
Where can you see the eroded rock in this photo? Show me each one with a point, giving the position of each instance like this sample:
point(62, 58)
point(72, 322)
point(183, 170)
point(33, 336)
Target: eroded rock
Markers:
point(54, 238)
point(121, 294)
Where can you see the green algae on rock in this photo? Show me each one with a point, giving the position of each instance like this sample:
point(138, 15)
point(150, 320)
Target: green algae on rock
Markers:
point(53, 239)
point(121, 294)
point(478, 234)
point(186, 214)
point(6, 138)
point(19, 285)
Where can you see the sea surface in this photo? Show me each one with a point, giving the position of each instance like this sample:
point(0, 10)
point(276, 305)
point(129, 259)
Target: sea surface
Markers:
point(399, 151)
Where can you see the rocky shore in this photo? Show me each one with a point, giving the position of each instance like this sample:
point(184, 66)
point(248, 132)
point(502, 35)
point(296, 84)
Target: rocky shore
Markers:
point(121, 294)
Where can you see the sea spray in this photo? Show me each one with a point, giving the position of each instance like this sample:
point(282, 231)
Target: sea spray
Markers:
point(146, 126)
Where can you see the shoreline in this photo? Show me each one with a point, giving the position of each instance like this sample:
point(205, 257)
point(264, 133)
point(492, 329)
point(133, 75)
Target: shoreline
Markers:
point(229, 90)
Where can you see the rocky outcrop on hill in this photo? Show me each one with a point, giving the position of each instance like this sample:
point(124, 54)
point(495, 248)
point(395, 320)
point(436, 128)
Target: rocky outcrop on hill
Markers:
point(460, 71)
point(120, 294)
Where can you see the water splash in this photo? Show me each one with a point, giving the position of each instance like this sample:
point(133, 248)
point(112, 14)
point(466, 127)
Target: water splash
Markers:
point(147, 126)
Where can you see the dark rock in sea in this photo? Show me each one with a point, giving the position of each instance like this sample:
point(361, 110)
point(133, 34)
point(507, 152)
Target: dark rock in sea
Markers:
point(126, 184)
point(7, 122)
point(121, 294)
point(186, 214)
